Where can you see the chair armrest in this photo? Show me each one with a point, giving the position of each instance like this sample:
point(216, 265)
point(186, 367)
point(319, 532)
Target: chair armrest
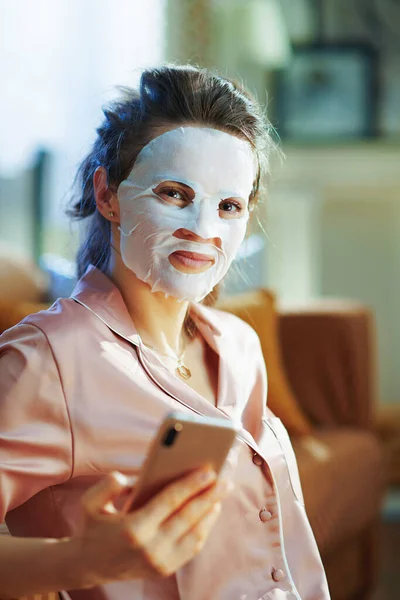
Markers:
point(328, 350)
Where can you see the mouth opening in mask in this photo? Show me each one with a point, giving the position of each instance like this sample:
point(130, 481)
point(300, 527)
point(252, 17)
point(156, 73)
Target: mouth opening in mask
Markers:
point(188, 261)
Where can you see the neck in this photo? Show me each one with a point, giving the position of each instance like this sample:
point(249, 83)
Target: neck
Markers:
point(158, 320)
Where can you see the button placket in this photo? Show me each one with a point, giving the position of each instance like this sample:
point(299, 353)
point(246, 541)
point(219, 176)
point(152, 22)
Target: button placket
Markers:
point(264, 514)
point(277, 569)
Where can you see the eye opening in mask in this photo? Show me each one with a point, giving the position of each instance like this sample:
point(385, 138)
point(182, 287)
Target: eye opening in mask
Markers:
point(185, 195)
point(238, 203)
point(166, 189)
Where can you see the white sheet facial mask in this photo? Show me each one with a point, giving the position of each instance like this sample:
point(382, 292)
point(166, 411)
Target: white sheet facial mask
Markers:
point(217, 167)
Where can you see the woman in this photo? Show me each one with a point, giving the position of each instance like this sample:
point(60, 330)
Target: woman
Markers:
point(169, 185)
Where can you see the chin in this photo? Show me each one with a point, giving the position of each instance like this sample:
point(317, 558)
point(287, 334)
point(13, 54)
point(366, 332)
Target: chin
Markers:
point(182, 293)
point(183, 286)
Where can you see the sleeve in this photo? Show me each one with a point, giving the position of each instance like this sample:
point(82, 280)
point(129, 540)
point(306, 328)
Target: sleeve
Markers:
point(35, 433)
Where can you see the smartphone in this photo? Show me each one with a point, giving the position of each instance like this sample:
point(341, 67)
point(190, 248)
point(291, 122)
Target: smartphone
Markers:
point(183, 443)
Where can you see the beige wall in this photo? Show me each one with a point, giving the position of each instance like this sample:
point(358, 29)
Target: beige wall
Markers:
point(334, 223)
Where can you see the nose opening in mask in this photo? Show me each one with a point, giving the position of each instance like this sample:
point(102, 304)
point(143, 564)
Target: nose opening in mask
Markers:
point(194, 236)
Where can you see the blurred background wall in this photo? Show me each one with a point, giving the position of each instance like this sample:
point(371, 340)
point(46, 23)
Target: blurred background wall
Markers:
point(328, 73)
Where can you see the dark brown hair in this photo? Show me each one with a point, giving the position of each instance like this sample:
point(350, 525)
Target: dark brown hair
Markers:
point(167, 96)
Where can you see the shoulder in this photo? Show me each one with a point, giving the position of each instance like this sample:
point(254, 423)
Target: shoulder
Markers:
point(29, 369)
point(63, 314)
point(231, 326)
point(238, 340)
point(29, 374)
point(241, 349)
point(35, 333)
point(20, 344)
point(64, 320)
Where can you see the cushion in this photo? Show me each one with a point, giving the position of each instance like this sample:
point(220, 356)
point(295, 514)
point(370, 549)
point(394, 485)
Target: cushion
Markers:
point(258, 309)
point(21, 279)
point(387, 427)
point(343, 479)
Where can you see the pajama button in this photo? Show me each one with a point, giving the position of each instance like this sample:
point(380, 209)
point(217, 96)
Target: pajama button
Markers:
point(257, 460)
point(265, 515)
point(277, 574)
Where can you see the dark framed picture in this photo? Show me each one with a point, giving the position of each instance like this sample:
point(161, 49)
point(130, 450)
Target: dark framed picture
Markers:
point(329, 92)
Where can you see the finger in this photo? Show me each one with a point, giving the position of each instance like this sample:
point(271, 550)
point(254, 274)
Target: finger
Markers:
point(187, 517)
point(198, 534)
point(169, 534)
point(100, 498)
point(169, 500)
point(190, 545)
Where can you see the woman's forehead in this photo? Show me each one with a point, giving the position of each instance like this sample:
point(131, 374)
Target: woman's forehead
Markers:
point(214, 160)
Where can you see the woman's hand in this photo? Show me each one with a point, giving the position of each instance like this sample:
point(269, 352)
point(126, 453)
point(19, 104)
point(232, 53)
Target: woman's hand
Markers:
point(155, 540)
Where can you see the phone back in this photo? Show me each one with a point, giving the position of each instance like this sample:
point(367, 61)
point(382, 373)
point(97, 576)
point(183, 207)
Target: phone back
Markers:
point(183, 444)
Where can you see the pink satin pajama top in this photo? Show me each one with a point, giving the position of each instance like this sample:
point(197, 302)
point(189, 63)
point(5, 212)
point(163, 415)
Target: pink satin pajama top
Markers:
point(81, 396)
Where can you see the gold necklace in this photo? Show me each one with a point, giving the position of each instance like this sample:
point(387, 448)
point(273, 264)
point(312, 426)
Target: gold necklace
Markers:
point(182, 370)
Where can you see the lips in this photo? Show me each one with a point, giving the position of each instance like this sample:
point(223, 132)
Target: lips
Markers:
point(193, 256)
point(192, 260)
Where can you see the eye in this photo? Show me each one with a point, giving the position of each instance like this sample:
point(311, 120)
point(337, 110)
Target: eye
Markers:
point(173, 195)
point(230, 209)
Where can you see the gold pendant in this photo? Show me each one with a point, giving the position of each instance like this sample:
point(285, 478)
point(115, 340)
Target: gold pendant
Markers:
point(184, 371)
